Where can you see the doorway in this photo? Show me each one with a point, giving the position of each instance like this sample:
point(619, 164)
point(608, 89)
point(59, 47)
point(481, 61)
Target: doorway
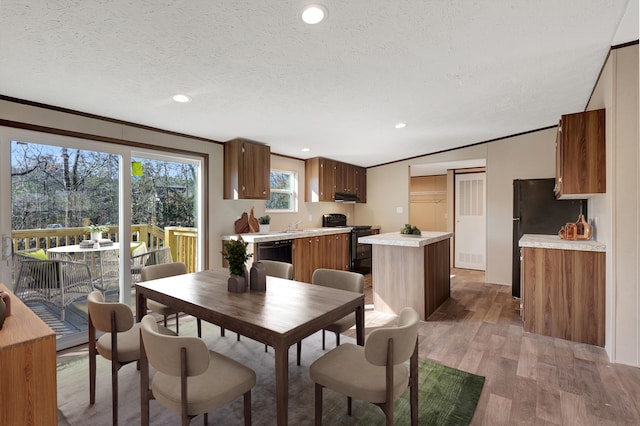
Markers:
point(470, 221)
point(53, 187)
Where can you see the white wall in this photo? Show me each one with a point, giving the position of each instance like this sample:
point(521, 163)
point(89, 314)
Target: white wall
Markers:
point(618, 211)
point(527, 156)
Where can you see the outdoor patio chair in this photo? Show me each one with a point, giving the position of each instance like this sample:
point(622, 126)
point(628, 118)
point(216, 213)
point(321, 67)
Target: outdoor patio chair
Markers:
point(152, 257)
point(56, 283)
point(375, 373)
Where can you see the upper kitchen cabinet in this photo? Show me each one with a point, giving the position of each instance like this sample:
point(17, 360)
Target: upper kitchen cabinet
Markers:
point(325, 177)
point(320, 177)
point(247, 166)
point(361, 184)
point(580, 155)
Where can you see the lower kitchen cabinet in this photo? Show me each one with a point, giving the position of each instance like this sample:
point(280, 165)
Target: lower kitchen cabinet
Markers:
point(563, 294)
point(323, 251)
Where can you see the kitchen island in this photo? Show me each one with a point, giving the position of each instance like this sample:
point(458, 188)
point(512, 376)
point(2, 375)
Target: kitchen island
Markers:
point(410, 270)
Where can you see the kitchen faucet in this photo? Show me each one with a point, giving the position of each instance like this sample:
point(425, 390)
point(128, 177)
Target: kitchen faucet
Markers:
point(297, 223)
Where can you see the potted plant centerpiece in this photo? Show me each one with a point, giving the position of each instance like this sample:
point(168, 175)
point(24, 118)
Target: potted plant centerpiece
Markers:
point(96, 231)
point(264, 222)
point(235, 253)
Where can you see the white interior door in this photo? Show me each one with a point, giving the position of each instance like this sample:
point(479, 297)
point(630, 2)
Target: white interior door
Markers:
point(470, 225)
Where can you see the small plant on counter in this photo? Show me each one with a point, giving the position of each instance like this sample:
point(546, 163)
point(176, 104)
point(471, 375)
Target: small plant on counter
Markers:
point(264, 220)
point(410, 230)
point(235, 252)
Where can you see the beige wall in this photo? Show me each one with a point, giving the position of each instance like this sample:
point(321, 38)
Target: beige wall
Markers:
point(527, 156)
point(617, 212)
point(222, 213)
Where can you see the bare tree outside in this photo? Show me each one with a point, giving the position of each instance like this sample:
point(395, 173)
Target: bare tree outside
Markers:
point(64, 187)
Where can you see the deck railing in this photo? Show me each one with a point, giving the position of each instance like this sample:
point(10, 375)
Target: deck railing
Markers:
point(182, 241)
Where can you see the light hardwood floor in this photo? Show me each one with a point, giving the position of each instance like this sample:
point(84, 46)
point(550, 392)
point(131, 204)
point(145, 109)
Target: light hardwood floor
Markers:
point(530, 379)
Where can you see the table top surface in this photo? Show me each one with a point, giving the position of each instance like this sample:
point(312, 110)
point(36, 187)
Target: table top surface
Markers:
point(76, 248)
point(285, 307)
point(404, 240)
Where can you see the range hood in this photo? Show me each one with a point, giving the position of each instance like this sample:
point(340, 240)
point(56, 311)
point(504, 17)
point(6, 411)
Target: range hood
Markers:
point(342, 197)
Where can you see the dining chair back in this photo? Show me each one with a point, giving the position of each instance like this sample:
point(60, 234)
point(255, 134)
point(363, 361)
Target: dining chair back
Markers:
point(341, 280)
point(278, 269)
point(355, 371)
point(213, 379)
point(163, 270)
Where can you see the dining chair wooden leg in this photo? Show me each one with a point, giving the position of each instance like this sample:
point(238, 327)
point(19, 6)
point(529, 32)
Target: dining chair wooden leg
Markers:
point(177, 323)
point(165, 320)
point(238, 337)
point(266, 348)
point(298, 352)
point(247, 408)
point(92, 362)
point(206, 418)
point(349, 405)
point(323, 340)
point(199, 321)
point(337, 339)
point(318, 405)
point(222, 331)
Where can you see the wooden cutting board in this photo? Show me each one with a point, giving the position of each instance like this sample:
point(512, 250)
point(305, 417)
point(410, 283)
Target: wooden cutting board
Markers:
point(241, 225)
point(254, 226)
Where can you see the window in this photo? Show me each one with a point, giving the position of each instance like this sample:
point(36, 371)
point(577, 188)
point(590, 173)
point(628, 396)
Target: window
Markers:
point(283, 191)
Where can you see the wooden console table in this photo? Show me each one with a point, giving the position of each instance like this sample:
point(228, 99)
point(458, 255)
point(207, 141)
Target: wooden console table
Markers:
point(28, 386)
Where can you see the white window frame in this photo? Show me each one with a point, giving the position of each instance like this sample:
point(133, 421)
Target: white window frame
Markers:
point(293, 192)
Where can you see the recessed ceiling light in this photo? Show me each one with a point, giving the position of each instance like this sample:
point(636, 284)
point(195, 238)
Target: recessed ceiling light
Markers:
point(314, 13)
point(305, 149)
point(181, 98)
point(401, 125)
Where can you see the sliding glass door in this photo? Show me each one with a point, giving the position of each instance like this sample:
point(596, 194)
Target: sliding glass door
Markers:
point(54, 191)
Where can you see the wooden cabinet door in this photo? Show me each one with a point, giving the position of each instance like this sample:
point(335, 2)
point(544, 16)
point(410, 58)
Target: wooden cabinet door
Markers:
point(580, 155)
point(361, 184)
point(256, 170)
point(301, 255)
point(327, 180)
point(247, 166)
point(345, 178)
point(340, 251)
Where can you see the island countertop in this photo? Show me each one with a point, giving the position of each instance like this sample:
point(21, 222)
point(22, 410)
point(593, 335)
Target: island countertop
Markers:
point(402, 240)
point(555, 242)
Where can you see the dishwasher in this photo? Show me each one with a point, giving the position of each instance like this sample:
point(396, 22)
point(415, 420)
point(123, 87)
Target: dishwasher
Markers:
point(274, 250)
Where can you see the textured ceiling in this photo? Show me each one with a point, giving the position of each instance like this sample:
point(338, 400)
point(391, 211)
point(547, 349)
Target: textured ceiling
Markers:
point(457, 71)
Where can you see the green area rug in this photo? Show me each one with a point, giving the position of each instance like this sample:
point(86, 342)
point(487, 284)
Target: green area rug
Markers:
point(447, 396)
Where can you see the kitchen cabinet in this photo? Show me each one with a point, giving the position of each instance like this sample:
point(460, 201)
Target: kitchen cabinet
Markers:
point(28, 360)
point(322, 251)
point(247, 167)
point(361, 184)
point(563, 293)
point(580, 155)
point(325, 177)
point(320, 179)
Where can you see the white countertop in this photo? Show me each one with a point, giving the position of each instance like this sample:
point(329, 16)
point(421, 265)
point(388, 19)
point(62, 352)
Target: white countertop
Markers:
point(555, 242)
point(398, 239)
point(283, 235)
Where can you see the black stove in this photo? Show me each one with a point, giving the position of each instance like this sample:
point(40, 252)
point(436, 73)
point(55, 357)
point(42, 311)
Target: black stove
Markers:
point(360, 254)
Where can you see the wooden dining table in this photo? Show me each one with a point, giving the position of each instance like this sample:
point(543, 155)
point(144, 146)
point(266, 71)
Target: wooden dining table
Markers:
point(284, 314)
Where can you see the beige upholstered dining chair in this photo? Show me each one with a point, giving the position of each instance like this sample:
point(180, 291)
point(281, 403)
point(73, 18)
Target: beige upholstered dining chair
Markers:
point(277, 269)
point(120, 342)
point(342, 280)
point(376, 372)
point(190, 379)
point(154, 272)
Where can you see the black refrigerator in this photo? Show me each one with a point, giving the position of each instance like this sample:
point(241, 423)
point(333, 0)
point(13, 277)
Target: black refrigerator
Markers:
point(536, 211)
